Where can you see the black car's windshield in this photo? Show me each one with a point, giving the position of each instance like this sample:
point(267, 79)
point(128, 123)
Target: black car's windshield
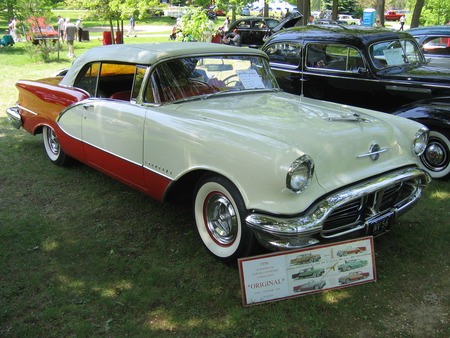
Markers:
point(396, 53)
point(183, 78)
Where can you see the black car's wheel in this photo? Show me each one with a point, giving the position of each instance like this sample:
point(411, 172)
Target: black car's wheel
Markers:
point(436, 158)
point(220, 217)
point(53, 148)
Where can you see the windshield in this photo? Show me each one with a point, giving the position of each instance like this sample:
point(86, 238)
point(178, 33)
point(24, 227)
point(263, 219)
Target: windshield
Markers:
point(391, 53)
point(183, 78)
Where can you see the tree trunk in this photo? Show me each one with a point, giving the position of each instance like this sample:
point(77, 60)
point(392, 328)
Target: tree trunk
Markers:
point(416, 14)
point(304, 7)
point(335, 10)
point(112, 31)
point(380, 11)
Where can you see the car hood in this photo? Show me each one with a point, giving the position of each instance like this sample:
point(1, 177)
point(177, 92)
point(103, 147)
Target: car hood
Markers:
point(290, 21)
point(330, 133)
point(420, 74)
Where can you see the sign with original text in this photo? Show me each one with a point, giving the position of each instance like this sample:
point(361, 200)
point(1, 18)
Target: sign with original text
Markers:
point(290, 274)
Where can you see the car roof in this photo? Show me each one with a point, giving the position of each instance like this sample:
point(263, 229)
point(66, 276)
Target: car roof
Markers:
point(149, 53)
point(353, 34)
point(427, 30)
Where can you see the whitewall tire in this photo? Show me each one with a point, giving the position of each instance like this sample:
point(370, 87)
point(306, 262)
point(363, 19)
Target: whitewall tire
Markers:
point(220, 217)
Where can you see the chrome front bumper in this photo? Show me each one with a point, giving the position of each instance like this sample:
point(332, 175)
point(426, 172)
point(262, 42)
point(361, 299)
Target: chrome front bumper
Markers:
point(283, 233)
point(14, 117)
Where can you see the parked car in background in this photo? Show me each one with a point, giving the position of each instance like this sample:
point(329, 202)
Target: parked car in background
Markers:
point(38, 33)
point(392, 16)
point(348, 19)
point(245, 11)
point(368, 67)
point(435, 42)
point(255, 30)
point(208, 124)
point(311, 285)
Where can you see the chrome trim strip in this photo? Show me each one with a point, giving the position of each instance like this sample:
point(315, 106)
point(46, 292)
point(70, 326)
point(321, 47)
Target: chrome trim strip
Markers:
point(382, 150)
point(293, 232)
point(26, 109)
point(345, 75)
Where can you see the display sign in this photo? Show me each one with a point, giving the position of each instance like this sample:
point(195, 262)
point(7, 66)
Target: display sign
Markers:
point(290, 274)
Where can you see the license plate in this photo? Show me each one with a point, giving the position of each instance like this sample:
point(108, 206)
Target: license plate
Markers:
point(380, 224)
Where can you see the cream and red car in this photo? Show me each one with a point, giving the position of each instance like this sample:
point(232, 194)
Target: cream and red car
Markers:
point(209, 122)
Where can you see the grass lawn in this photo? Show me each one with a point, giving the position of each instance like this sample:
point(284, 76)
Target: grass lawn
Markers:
point(83, 255)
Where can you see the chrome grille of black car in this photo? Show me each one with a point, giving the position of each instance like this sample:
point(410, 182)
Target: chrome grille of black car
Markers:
point(355, 213)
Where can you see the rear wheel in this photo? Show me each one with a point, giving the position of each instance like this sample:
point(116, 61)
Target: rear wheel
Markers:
point(53, 148)
point(220, 217)
point(436, 158)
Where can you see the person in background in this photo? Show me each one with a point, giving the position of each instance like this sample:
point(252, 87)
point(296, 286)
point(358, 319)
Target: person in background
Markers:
point(311, 20)
point(234, 40)
point(131, 26)
point(61, 27)
point(402, 22)
point(70, 33)
point(79, 26)
point(7, 39)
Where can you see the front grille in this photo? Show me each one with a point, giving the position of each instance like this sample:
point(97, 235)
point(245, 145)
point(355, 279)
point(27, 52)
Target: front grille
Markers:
point(355, 213)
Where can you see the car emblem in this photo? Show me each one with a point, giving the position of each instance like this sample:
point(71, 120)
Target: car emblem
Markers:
point(374, 152)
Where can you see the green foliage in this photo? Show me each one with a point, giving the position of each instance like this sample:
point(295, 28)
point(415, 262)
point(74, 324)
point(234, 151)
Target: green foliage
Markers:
point(196, 26)
point(350, 7)
point(435, 12)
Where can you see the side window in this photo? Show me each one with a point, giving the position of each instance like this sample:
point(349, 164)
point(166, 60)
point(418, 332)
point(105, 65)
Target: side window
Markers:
point(116, 81)
point(437, 45)
point(88, 79)
point(333, 57)
point(138, 80)
point(285, 53)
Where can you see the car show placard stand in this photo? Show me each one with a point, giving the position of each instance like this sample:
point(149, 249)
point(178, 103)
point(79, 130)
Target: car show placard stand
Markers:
point(289, 274)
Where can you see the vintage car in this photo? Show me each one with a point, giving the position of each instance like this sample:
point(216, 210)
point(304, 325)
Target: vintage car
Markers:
point(353, 277)
point(368, 67)
point(352, 264)
point(348, 19)
point(311, 285)
point(351, 251)
point(42, 32)
point(392, 16)
point(306, 258)
point(308, 273)
point(435, 42)
point(255, 30)
point(208, 123)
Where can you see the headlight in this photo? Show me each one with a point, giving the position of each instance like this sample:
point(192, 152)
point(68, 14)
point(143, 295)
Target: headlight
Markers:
point(420, 141)
point(300, 174)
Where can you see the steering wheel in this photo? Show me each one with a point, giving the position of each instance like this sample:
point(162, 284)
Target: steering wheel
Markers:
point(228, 81)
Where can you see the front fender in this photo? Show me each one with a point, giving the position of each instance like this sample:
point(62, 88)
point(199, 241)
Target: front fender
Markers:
point(434, 112)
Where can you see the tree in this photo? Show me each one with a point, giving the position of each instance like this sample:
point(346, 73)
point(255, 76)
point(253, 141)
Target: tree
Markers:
point(434, 12)
point(380, 11)
point(416, 14)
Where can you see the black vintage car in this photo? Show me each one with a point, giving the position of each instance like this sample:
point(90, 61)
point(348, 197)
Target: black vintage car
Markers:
point(368, 67)
point(435, 42)
point(255, 30)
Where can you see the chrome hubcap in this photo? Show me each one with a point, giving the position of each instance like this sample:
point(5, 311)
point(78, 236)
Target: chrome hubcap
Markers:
point(435, 156)
point(221, 219)
point(53, 142)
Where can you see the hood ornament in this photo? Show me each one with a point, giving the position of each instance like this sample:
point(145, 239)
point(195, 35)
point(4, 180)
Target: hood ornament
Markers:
point(374, 152)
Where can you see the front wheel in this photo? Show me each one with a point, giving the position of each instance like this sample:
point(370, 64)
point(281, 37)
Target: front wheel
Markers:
point(436, 158)
point(53, 148)
point(220, 217)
